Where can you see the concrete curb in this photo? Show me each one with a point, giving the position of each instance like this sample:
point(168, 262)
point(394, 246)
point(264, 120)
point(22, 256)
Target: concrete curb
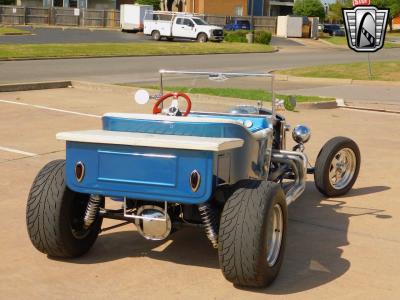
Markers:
point(16, 34)
point(18, 87)
point(341, 104)
point(282, 77)
point(121, 56)
point(94, 86)
point(127, 56)
point(371, 109)
point(333, 45)
point(125, 90)
point(318, 105)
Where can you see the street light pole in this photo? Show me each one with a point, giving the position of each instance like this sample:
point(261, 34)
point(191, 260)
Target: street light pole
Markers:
point(250, 35)
point(252, 16)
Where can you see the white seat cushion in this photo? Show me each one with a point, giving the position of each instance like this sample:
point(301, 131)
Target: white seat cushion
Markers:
point(172, 118)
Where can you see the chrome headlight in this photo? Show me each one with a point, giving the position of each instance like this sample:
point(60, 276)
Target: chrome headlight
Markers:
point(301, 134)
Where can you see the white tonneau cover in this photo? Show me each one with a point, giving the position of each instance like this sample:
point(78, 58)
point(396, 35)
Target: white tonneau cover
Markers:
point(151, 140)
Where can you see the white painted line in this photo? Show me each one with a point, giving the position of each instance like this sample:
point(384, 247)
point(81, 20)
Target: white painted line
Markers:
point(51, 108)
point(17, 151)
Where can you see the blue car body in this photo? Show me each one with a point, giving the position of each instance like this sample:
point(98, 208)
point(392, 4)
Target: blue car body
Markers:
point(161, 173)
point(238, 24)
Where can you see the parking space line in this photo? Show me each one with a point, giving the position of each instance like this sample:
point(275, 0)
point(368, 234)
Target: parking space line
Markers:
point(51, 109)
point(17, 151)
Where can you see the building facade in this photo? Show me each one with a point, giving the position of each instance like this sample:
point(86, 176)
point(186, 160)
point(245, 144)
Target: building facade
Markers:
point(210, 7)
point(271, 7)
point(213, 7)
point(239, 7)
point(92, 4)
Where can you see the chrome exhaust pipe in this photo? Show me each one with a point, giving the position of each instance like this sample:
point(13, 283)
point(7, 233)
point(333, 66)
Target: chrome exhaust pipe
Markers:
point(298, 163)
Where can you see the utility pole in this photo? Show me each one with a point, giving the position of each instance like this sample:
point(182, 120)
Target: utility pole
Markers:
point(250, 35)
point(252, 16)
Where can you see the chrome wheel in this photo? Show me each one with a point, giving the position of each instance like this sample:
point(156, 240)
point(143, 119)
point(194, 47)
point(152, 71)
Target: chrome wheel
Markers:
point(274, 235)
point(342, 168)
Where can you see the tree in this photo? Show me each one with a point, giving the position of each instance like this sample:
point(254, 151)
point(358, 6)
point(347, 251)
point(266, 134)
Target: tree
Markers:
point(335, 10)
point(155, 3)
point(309, 8)
point(393, 5)
point(7, 2)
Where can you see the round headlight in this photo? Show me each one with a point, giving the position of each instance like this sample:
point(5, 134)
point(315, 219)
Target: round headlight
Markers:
point(301, 134)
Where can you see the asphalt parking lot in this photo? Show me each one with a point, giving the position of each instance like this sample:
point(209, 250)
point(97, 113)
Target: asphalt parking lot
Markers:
point(54, 35)
point(344, 248)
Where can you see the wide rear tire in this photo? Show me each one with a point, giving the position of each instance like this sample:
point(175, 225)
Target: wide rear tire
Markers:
point(248, 253)
point(54, 215)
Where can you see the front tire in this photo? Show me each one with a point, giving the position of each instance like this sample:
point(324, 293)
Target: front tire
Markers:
point(54, 215)
point(252, 233)
point(337, 166)
point(202, 38)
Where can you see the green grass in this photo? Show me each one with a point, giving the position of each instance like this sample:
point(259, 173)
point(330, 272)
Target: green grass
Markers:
point(386, 71)
point(12, 31)
point(342, 41)
point(247, 94)
point(12, 51)
point(394, 33)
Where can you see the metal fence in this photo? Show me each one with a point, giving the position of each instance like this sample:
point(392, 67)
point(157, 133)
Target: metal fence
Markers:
point(18, 15)
point(37, 15)
point(12, 15)
point(260, 23)
point(59, 16)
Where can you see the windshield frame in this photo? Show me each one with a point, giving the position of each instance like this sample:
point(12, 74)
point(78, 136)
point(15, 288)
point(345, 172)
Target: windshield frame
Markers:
point(270, 78)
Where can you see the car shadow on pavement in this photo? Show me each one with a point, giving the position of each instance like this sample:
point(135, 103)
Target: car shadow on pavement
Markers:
point(318, 228)
point(317, 234)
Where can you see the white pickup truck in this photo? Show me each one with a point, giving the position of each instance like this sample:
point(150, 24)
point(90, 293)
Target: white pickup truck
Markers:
point(161, 24)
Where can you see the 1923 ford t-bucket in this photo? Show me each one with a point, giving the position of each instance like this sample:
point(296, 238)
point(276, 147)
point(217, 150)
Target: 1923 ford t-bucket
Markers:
point(227, 172)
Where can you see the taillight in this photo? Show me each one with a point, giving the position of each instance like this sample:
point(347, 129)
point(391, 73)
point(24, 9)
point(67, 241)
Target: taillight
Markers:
point(195, 179)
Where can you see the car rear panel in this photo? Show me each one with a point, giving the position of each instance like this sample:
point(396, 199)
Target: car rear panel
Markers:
point(136, 172)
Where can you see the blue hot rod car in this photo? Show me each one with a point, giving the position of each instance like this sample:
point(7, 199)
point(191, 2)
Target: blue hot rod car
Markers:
point(226, 172)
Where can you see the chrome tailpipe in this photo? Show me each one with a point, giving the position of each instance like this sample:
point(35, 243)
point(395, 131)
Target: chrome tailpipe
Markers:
point(297, 161)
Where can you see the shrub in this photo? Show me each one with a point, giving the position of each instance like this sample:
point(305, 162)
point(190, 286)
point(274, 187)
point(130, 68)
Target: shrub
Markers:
point(239, 36)
point(262, 37)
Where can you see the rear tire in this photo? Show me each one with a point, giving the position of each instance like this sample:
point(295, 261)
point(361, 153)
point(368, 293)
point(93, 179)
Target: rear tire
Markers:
point(54, 215)
point(202, 38)
point(156, 35)
point(337, 166)
point(247, 254)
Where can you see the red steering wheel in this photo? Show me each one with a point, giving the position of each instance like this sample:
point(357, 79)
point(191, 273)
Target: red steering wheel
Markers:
point(157, 109)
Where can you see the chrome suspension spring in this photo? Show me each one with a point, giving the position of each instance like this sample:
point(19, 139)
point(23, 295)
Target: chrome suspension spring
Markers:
point(92, 210)
point(210, 221)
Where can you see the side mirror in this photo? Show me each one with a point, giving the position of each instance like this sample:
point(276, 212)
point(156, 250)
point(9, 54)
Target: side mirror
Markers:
point(142, 97)
point(290, 103)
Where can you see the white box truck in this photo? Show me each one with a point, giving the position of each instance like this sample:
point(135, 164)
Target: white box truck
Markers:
point(170, 25)
point(132, 16)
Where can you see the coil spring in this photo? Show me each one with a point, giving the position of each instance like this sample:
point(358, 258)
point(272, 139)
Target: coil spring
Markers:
point(92, 210)
point(210, 221)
